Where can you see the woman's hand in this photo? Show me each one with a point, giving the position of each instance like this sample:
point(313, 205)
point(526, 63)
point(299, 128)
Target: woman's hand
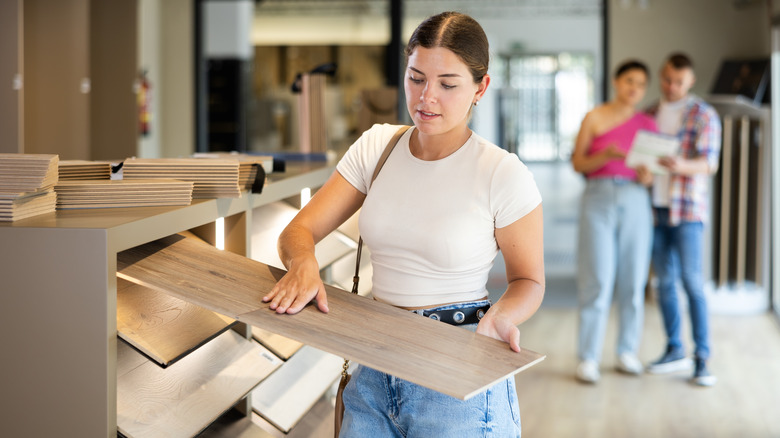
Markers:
point(613, 152)
point(498, 327)
point(297, 288)
point(644, 176)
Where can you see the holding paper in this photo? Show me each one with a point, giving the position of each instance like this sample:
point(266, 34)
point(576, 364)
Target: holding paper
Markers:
point(648, 147)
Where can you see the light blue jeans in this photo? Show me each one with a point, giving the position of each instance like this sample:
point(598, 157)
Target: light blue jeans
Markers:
point(677, 254)
point(613, 257)
point(378, 405)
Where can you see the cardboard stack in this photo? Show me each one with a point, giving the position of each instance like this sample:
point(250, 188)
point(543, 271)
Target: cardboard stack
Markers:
point(108, 193)
point(27, 185)
point(214, 178)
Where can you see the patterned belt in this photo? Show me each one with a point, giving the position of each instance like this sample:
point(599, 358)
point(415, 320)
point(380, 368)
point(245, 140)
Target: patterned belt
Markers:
point(470, 315)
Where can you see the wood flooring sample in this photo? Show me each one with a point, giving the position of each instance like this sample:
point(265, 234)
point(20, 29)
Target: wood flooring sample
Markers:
point(162, 327)
point(433, 354)
point(183, 399)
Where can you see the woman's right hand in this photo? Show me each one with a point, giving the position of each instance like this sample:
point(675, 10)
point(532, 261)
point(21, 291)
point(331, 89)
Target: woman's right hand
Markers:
point(297, 288)
point(612, 152)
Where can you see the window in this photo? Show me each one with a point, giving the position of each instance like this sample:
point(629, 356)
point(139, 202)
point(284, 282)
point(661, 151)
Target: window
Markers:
point(543, 100)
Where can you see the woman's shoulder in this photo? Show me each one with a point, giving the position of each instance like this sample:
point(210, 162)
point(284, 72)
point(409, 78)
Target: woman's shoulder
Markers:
point(380, 133)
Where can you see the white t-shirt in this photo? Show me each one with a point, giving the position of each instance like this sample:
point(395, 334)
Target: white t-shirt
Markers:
point(430, 225)
point(669, 120)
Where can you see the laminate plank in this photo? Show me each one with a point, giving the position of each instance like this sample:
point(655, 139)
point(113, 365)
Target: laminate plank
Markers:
point(279, 345)
point(183, 399)
point(289, 393)
point(445, 358)
point(162, 327)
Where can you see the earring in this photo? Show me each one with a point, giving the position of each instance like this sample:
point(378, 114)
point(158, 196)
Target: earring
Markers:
point(476, 103)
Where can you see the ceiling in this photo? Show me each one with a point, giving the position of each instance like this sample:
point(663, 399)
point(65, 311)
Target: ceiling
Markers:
point(503, 8)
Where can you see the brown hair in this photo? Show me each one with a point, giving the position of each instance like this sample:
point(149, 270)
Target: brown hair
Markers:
point(632, 65)
point(679, 61)
point(458, 33)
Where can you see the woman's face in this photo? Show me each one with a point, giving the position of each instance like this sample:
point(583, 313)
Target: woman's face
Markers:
point(439, 90)
point(631, 86)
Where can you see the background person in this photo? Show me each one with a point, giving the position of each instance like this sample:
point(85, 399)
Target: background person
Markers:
point(615, 229)
point(444, 204)
point(681, 209)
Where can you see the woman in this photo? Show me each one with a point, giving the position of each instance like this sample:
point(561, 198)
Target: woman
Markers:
point(615, 225)
point(444, 203)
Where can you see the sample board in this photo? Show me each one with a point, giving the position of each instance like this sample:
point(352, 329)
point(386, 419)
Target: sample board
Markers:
point(438, 356)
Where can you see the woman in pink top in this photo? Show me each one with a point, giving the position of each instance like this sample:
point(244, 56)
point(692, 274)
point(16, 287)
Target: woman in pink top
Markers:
point(615, 230)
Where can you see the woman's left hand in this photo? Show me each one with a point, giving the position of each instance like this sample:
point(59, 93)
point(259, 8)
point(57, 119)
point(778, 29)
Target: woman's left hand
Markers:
point(500, 328)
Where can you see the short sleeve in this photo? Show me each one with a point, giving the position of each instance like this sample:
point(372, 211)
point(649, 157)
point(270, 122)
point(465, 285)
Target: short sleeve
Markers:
point(513, 191)
point(358, 163)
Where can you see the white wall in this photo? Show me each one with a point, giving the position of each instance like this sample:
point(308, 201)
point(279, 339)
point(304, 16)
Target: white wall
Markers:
point(166, 49)
point(708, 30)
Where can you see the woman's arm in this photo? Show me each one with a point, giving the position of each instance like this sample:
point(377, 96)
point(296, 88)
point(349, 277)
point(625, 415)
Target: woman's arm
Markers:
point(581, 160)
point(522, 245)
point(333, 204)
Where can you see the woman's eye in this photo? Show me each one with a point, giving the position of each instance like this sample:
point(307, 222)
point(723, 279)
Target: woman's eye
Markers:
point(447, 86)
point(415, 80)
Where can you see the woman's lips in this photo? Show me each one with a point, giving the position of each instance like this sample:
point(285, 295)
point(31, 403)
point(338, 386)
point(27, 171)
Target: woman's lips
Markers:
point(424, 115)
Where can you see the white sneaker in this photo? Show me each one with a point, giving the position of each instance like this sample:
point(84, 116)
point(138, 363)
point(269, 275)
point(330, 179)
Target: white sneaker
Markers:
point(628, 363)
point(588, 371)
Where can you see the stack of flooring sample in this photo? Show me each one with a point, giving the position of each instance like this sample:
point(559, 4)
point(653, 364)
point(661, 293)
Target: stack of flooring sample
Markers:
point(251, 168)
point(119, 193)
point(27, 185)
point(81, 170)
point(213, 178)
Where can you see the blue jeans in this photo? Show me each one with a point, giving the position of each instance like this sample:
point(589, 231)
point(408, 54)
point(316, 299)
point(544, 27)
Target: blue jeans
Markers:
point(377, 404)
point(677, 253)
point(613, 257)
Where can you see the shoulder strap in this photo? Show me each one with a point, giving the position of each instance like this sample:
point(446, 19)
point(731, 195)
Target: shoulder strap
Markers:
point(386, 153)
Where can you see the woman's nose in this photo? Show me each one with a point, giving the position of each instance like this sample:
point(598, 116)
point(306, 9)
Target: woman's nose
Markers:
point(427, 94)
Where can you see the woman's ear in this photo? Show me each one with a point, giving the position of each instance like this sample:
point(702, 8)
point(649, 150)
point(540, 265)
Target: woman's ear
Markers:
point(483, 86)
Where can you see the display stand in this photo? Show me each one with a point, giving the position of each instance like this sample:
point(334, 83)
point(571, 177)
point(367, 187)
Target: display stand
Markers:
point(58, 306)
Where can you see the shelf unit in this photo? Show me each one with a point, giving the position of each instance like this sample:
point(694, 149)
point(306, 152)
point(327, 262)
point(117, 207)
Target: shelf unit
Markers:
point(58, 305)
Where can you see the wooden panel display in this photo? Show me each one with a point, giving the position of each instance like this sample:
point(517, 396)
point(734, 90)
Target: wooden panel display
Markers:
point(438, 356)
point(183, 399)
point(279, 345)
point(289, 393)
point(162, 327)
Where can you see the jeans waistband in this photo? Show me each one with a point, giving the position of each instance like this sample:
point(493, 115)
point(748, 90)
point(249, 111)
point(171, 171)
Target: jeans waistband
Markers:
point(616, 179)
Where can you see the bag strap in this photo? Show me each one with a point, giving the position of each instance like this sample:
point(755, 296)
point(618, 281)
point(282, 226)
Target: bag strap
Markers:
point(386, 153)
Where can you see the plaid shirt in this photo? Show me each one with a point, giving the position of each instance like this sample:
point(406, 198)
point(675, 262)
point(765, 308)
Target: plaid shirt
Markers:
point(700, 136)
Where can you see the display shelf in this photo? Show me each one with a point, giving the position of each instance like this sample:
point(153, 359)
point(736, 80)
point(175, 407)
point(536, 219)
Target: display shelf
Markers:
point(58, 271)
point(235, 424)
point(161, 327)
point(183, 399)
point(289, 393)
point(274, 217)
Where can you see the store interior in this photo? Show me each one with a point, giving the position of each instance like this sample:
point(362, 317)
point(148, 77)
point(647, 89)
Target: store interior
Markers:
point(225, 75)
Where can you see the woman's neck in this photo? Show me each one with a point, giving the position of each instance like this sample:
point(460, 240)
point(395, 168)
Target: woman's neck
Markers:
point(437, 146)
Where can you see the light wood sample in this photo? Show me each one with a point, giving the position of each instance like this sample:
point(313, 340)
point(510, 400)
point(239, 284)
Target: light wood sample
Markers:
point(438, 356)
point(279, 345)
point(289, 393)
point(162, 327)
point(183, 399)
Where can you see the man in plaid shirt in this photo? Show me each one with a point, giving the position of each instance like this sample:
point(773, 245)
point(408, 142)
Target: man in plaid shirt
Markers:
point(680, 206)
